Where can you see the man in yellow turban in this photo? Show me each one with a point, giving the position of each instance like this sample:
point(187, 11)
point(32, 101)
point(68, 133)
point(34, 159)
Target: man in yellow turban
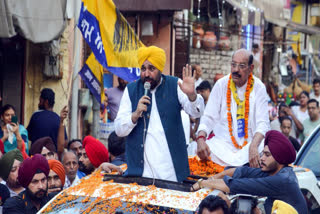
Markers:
point(150, 117)
point(281, 207)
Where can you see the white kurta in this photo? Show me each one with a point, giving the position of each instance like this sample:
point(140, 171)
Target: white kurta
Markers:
point(157, 158)
point(215, 119)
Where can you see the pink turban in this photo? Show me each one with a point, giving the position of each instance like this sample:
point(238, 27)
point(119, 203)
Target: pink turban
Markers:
point(29, 168)
point(96, 151)
point(280, 147)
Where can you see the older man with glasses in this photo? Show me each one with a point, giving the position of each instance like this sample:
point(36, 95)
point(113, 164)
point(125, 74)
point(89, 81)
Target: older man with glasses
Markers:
point(237, 113)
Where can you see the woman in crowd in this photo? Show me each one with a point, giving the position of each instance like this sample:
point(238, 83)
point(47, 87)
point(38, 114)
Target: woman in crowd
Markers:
point(13, 135)
point(301, 111)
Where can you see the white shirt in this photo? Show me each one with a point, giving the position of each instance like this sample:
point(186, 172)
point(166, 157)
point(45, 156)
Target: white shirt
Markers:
point(300, 115)
point(197, 83)
point(157, 158)
point(313, 96)
point(186, 125)
point(68, 184)
point(215, 119)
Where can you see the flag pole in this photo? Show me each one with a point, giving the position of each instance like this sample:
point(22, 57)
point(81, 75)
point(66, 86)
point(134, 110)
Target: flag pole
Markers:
point(75, 78)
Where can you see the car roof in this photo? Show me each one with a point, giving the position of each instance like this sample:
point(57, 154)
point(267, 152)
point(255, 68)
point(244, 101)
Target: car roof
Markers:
point(94, 187)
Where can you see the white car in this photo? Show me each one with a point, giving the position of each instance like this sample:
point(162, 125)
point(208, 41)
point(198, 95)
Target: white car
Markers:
point(104, 193)
point(116, 194)
point(308, 170)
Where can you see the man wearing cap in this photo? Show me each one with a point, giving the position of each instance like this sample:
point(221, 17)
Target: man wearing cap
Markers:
point(275, 179)
point(159, 151)
point(33, 175)
point(57, 176)
point(44, 146)
point(237, 113)
point(94, 155)
point(9, 167)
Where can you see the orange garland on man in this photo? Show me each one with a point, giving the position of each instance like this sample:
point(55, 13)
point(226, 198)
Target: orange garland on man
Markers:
point(237, 113)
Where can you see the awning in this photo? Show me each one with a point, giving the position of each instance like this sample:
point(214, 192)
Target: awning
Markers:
point(248, 12)
point(152, 5)
point(36, 20)
point(303, 28)
point(275, 11)
point(294, 26)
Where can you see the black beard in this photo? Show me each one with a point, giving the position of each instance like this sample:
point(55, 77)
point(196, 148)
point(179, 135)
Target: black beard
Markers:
point(153, 82)
point(84, 169)
point(36, 196)
point(13, 184)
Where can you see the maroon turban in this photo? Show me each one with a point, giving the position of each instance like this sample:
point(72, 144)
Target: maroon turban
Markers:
point(29, 168)
point(96, 151)
point(38, 145)
point(280, 147)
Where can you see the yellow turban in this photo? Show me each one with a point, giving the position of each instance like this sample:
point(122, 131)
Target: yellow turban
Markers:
point(283, 208)
point(153, 54)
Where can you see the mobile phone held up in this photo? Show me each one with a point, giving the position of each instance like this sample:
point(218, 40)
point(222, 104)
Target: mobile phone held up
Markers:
point(14, 119)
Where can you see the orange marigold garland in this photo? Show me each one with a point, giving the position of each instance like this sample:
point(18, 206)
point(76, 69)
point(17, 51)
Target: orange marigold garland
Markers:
point(246, 115)
point(203, 167)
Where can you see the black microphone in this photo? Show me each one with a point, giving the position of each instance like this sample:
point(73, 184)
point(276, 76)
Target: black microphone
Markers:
point(146, 86)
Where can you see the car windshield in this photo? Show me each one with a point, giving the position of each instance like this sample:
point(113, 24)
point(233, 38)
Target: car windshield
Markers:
point(82, 204)
point(309, 157)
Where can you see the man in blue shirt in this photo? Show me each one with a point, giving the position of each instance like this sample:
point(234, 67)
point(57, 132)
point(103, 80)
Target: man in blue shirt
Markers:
point(45, 122)
point(275, 179)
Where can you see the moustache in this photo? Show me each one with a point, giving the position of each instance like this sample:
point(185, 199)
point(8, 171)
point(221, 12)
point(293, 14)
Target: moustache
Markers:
point(148, 79)
point(53, 187)
point(72, 172)
point(235, 74)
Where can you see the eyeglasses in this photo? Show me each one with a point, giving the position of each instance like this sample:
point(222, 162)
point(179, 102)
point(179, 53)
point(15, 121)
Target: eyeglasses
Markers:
point(241, 66)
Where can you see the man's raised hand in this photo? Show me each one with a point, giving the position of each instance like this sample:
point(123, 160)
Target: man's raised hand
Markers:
point(64, 113)
point(187, 86)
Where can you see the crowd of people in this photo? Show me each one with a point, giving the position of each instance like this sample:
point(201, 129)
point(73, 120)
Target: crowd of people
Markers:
point(228, 124)
point(298, 119)
point(31, 175)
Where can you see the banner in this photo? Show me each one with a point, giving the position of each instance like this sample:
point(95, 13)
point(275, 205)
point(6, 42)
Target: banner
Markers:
point(92, 74)
point(110, 37)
